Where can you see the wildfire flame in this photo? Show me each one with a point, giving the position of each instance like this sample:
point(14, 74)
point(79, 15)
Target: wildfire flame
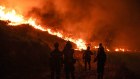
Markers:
point(120, 49)
point(17, 19)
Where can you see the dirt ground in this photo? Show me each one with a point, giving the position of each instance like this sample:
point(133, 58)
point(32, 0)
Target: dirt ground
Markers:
point(115, 68)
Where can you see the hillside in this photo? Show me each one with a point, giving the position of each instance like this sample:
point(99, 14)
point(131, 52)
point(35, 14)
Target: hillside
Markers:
point(24, 54)
point(24, 49)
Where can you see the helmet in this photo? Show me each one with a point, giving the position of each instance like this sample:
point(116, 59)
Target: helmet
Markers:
point(100, 44)
point(68, 44)
point(56, 45)
point(88, 48)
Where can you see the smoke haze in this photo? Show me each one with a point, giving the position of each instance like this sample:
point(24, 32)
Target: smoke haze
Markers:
point(113, 22)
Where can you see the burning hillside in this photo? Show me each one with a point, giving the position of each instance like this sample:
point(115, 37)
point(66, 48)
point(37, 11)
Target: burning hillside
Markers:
point(81, 22)
point(16, 19)
point(29, 28)
point(26, 33)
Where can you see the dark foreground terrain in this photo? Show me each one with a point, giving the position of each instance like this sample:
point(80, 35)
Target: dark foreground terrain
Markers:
point(24, 54)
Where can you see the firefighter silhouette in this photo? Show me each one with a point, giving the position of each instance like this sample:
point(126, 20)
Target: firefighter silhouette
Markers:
point(87, 58)
point(56, 62)
point(69, 61)
point(101, 59)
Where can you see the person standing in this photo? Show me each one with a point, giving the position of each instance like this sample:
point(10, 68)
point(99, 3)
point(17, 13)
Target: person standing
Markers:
point(87, 58)
point(69, 61)
point(101, 59)
point(56, 62)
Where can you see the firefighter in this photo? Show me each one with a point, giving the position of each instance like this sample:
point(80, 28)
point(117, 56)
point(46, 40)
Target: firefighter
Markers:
point(101, 59)
point(56, 62)
point(69, 61)
point(87, 58)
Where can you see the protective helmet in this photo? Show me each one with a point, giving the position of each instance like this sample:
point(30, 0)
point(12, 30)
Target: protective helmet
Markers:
point(56, 45)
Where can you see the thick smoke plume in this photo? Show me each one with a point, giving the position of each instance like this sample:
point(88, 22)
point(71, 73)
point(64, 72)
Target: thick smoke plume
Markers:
point(113, 22)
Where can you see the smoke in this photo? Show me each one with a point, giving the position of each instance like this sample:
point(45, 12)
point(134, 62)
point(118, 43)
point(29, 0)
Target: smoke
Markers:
point(22, 6)
point(115, 23)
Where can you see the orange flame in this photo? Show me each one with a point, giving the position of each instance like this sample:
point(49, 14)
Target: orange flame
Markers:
point(17, 19)
point(120, 49)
